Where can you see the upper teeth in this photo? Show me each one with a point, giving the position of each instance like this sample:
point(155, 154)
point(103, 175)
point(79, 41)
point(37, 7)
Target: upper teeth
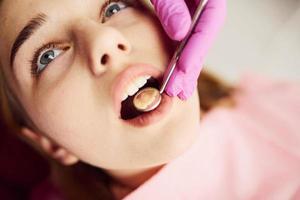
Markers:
point(134, 86)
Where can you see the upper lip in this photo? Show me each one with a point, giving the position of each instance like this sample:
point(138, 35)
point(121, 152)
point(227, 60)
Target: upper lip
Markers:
point(127, 76)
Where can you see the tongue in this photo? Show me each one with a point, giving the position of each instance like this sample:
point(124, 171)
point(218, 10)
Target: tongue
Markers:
point(128, 110)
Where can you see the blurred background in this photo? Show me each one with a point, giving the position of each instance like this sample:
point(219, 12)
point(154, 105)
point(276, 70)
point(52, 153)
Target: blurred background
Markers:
point(262, 36)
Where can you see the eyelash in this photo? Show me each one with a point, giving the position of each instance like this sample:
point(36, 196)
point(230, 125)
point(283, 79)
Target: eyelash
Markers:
point(33, 62)
point(57, 45)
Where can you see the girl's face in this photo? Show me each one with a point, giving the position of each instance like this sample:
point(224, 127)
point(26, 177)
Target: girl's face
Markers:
point(66, 74)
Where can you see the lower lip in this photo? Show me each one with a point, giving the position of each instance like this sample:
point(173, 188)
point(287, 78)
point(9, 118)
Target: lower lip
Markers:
point(154, 116)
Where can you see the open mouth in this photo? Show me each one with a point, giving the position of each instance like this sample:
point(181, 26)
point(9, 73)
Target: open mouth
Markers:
point(130, 81)
point(128, 111)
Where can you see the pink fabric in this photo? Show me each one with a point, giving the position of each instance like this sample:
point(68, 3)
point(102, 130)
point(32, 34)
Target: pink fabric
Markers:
point(249, 152)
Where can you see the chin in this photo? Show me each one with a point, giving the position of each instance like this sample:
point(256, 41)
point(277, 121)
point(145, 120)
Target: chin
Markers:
point(170, 152)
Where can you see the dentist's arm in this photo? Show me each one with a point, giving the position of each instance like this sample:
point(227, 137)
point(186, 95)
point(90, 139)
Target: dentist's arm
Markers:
point(175, 17)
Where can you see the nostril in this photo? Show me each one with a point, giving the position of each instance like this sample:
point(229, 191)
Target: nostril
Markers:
point(104, 59)
point(122, 47)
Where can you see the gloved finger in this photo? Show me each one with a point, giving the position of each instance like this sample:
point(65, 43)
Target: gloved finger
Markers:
point(186, 73)
point(201, 40)
point(181, 85)
point(175, 84)
point(189, 86)
point(172, 15)
point(188, 68)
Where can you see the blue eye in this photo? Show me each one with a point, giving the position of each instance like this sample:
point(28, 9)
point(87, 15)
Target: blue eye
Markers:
point(114, 7)
point(43, 56)
point(46, 58)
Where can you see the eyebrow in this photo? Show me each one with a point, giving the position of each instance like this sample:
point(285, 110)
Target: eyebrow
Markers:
point(32, 26)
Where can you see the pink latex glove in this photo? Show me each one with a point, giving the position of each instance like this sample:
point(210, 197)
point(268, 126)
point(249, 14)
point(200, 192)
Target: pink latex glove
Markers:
point(175, 16)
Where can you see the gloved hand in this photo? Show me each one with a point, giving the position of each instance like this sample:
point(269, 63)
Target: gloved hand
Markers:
point(175, 16)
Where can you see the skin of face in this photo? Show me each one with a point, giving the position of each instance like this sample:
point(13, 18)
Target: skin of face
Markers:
point(71, 102)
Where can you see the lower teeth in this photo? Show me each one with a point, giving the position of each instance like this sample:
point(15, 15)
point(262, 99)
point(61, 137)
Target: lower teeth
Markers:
point(128, 110)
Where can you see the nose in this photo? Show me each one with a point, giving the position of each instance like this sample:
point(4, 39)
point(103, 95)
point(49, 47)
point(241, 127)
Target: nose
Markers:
point(100, 46)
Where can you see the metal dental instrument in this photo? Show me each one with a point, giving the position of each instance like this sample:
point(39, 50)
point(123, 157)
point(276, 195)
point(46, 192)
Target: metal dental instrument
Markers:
point(149, 98)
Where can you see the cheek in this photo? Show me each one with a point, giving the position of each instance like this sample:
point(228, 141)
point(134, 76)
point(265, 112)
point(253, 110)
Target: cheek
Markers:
point(149, 40)
point(72, 113)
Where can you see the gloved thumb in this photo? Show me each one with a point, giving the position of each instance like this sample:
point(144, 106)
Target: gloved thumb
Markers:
point(174, 16)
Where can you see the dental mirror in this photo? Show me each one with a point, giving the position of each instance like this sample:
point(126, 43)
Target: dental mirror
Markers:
point(149, 98)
